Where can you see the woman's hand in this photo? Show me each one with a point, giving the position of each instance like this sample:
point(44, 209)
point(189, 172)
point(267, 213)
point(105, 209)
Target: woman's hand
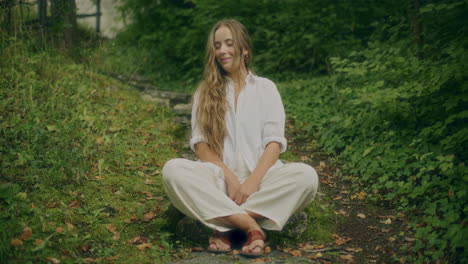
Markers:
point(232, 183)
point(245, 190)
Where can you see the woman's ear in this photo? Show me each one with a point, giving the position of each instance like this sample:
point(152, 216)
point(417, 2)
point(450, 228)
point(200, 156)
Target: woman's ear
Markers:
point(245, 52)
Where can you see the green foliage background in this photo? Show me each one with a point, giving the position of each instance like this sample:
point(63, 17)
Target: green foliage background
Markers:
point(382, 84)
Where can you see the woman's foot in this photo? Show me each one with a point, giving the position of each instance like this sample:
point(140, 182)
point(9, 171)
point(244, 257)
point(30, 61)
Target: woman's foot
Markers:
point(219, 243)
point(255, 243)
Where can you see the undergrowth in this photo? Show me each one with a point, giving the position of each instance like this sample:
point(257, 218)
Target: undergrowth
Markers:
point(81, 156)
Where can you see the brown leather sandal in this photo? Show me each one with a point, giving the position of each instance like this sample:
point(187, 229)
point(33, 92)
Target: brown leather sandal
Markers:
point(252, 236)
point(224, 237)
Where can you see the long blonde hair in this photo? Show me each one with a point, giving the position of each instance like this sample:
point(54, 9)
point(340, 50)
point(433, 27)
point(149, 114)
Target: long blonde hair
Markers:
point(212, 102)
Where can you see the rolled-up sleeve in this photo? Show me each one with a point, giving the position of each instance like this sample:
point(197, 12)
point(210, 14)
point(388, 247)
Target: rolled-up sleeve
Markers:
point(196, 134)
point(274, 119)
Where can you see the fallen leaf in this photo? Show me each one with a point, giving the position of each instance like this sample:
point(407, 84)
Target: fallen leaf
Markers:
point(16, 242)
point(99, 141)
point(387, 222)
point(386, 216)
point(156, 172)
point(59, 230)
point(343, 212)
point(337, 197)
point(322, 164)
point(89, 260)
point(324, 180)
point(361, 195)
point(143, 246)
point(38, 242)
point(149, 182)
point(318, 255)
point(341, 240)
point(361, 215)
point(70, 226)
point(148, 216)
point(76, 203)
point(354, 250)
point(391, 239)
point(295, 253)
point(267, 250)
point(198, 249)
point(27, 234)
point(348, 258)
point(132, 218)
point(116, 235)
point(136, 240)
point(53, 260)
point(304, 158)
point(111, 228)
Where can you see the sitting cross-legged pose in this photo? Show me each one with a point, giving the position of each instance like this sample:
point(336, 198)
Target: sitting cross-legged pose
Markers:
point(238, 124)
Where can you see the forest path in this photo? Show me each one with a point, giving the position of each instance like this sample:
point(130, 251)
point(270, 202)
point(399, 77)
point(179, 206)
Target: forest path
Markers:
point(364, 232)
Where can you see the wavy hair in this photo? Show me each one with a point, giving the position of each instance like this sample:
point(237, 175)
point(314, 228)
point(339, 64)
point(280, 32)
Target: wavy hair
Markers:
point(212, 102)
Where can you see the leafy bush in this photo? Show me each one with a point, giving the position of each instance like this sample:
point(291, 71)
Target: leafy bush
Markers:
point(395, 113)
point(290, 38)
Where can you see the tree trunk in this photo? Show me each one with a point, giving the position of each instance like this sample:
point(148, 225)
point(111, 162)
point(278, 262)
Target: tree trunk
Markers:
point(7, 7)
point(415, 23)
point(64, 21)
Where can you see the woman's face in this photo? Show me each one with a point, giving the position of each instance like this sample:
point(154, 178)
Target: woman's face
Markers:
point(224, 49)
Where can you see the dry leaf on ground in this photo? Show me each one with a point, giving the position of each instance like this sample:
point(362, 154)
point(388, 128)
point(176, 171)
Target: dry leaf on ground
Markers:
point(387, 222)
point(295, 253)
point(156, 172)
point(53, 260)
point(341, 240)
point(361, 215)
point(70, 226)
point(143, 246)
point(16, 242)
point(149, 182)
point(148, 216)
point(27, 233)
point(343, 213)
point(111, 228)
point(354, 250)
point(348, 258)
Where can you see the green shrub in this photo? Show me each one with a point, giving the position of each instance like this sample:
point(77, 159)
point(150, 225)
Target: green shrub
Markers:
point(395, 113)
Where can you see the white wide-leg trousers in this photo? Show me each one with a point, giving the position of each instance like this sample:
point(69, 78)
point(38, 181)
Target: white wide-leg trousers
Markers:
point(193, 188)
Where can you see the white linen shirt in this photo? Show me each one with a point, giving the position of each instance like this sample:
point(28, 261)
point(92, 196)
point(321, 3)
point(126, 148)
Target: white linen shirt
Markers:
point(259, 120)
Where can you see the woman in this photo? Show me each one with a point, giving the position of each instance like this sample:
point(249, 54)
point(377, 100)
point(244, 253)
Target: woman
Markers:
point(238, 134)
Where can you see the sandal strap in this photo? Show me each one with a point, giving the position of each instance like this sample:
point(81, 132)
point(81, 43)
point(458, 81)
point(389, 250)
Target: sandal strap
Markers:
point(254, 235)
point(222, 237)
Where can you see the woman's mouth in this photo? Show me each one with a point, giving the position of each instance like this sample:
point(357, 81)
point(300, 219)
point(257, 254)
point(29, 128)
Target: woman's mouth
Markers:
point(225, 60)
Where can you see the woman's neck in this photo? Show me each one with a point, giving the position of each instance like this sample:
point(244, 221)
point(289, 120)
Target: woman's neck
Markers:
point(239, 76)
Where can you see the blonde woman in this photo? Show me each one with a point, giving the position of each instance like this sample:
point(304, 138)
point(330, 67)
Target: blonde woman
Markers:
point(238, 134)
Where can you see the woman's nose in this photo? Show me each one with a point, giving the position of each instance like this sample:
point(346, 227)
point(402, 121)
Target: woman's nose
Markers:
point(223, 49)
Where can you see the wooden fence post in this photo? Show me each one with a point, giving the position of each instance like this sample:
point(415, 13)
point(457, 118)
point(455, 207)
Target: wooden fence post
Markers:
point(98, 16)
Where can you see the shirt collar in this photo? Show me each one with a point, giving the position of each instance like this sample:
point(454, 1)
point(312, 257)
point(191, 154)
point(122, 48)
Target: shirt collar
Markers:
point(250, 78)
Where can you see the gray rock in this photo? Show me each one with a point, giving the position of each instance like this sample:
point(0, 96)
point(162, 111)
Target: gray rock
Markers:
point(296, 225)
point(183, 109)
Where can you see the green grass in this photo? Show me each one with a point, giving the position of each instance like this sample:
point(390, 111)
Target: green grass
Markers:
point(81, 156)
